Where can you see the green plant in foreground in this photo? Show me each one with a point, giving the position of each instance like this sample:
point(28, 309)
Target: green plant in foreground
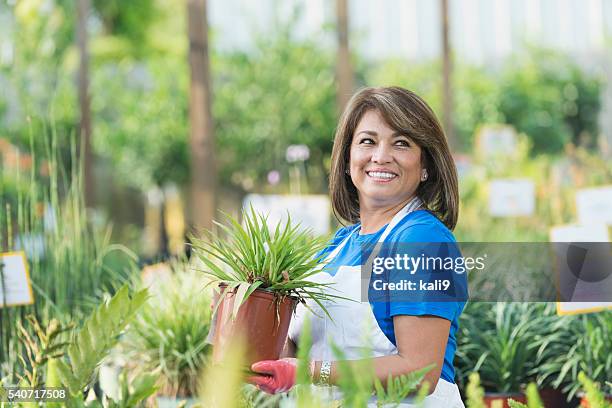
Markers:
point(533, 399)
point(69, 258)
point(358, 384)
point(573, 344)
point(92, 343)
point(168, 336)
point(475, 393)
point(255, 257)
point(132, 394)
point(497, 341)
point(3, 395)
point(593, 394)
point(40, 350)
point(304, 396)
point(87, 348)
point(221, 384)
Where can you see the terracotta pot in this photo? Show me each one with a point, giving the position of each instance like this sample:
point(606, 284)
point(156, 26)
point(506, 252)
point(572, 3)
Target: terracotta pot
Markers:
point(553, 398)
point(491, 397)
point(262, 321)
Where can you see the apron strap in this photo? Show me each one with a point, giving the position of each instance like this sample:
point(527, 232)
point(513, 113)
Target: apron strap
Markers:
point(412, 205)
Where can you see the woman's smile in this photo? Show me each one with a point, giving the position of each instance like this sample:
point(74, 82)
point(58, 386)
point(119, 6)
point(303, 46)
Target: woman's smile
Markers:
point(381, 175)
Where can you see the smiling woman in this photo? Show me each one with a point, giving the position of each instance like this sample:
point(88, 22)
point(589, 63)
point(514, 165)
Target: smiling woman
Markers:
point(394, 179)
point(408, 117)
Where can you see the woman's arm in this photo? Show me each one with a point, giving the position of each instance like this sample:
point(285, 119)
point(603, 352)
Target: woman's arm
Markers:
point(421, 341)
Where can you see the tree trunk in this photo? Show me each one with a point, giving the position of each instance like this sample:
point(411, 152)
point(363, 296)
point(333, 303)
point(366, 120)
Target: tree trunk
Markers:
point(203, 167)
point(83, 7)
point(344, 71)
point(447, 66)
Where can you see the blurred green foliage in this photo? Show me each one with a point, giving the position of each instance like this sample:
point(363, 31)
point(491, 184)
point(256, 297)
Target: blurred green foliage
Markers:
point(39, 85)
point(169, 335)
point(141, 120)
point(128, 19)
point(280, 92)
point(555, 179)
point(283, 93)
point(71, 259)
point(548, 97)
point(540, 92)
point(476, 92)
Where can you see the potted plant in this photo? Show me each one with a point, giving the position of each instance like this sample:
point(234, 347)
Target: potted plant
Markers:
point(168, 336)
point(575, 344)
point(496, 340)
point(262, 273)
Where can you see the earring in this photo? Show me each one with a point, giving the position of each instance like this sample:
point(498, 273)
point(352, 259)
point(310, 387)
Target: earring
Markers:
point(348, 172)
point(424, 175)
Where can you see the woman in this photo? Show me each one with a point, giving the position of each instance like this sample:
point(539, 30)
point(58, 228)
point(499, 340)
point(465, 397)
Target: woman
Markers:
point(393, 177)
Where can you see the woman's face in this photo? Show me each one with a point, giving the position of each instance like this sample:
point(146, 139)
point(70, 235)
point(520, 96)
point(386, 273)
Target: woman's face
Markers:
point(385, 166)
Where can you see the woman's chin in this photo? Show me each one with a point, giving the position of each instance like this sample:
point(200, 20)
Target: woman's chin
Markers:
point(382, 199)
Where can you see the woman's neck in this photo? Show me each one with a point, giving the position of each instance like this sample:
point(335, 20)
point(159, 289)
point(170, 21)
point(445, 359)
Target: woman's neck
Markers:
point(374, 218)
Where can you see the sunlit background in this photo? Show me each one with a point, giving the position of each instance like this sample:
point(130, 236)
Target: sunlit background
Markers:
point(114, 147)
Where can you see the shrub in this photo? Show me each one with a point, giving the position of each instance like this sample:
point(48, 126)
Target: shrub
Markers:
point(168, 336)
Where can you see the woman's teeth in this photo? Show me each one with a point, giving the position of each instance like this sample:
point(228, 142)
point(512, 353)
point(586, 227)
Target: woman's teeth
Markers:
point(381, 175)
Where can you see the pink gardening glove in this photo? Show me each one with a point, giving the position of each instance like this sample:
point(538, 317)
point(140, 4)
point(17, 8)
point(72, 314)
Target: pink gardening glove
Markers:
point(278, 375)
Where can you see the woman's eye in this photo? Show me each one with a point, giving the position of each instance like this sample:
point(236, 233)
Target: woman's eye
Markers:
point(366, 140)
point(403, 143)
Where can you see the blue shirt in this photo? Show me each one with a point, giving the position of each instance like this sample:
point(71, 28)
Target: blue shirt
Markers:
point(417, 227)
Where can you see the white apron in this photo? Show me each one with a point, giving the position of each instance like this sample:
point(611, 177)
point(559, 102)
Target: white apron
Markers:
point(354, 328)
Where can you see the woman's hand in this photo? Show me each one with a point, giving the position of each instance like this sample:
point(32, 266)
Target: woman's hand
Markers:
point(278, 375)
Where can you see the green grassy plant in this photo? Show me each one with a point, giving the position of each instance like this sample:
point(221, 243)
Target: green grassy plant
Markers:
point(357, 385)
point(73, 269)
point(100, 332)
point(498, 341)
point(255, 257)
point(593, 393)
point(42, 348)
point(72, 364)
point(575, 344)
point(169, 334)
point(357, 381)
point(475, 394)
point(221, 384)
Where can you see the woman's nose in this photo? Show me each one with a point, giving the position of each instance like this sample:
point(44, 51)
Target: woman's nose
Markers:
point(382, 154)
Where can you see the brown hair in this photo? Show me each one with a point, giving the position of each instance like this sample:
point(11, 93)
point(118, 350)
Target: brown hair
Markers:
point(405, 112)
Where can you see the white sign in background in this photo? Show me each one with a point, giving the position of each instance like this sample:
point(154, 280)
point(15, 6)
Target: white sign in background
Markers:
point(580, 233)
point(492, 140)
point(594, 205)
point(511, 197)
point(16, 283)
point(311, 211)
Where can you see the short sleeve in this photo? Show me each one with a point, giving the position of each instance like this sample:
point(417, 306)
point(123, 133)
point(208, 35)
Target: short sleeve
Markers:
point(445, 310)
point(418, 273)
